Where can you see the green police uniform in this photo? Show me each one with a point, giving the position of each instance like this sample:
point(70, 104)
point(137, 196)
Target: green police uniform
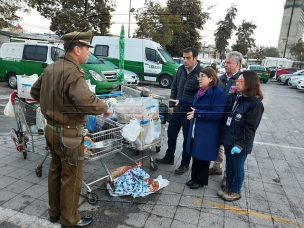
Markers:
point(65, 100)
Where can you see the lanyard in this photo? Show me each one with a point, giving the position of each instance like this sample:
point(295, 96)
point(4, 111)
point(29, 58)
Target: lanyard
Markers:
point(235, 105)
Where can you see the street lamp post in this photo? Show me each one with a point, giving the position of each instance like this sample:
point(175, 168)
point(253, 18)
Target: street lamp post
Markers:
point(131, 10)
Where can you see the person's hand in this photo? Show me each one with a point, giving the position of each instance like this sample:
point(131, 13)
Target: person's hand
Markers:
point(235, 150)
point(175, 101)
point(190, 115)
point(170, 110)
point(106, 114)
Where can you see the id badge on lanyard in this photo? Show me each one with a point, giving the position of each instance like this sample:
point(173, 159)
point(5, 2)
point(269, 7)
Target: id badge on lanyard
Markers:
point(235, 105)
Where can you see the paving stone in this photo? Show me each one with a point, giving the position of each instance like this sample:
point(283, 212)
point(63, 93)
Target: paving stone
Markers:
point(19, 173)
point(281, 210)
point(164, 211)
point(174, 187)
point(158, 221)
point(35, 191)
point(233, 223)
point(5, 181)
point(5, 196)
point(187, 215)
point(18, 203)
point(37, 208)
point(137, 219)
point(180, 224)
point(18, 186)
point(7, 169)
point(208, 220)
point(169, 199)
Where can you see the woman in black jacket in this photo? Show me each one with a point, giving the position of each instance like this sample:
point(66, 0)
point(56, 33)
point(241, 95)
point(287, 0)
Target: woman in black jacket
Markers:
point(244, 111)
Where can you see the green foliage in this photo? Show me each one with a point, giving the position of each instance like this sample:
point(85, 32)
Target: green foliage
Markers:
point(271, 52)
point(297, 50)
point(155, 22)
point(224, 30)
point(174, 27)
point(8, 11)
point(244, 41)
point(76, 15)
point(191, 18)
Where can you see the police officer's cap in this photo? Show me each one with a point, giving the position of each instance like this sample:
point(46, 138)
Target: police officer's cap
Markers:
point(78, 37)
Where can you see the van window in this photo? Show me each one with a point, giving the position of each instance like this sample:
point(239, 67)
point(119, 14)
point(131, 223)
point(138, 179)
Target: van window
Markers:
point(35, 52)
point(101, 50)
point(152, 55)
point(56, 53)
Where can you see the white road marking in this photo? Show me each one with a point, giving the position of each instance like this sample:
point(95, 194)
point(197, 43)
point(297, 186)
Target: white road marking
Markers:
point(24, 220)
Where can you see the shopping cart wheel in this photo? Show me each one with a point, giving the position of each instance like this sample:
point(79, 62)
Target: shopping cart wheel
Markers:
point(157, 149)
point(153, 165)
point(38, 171)
point(24, 154)
point(92, 198)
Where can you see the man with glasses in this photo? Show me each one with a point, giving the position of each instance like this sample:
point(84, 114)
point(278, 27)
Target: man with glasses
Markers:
point(233, 64)
point(184, 86)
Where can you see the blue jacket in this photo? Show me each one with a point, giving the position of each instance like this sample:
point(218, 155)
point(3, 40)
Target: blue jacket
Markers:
point(244, 122)
point(209, 110)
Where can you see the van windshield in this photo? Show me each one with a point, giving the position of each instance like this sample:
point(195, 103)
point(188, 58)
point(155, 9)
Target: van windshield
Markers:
point(56, 53)
point(166, 55)
point(94, 60)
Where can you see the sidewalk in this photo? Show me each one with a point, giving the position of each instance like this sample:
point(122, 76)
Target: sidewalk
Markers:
point(273, 193)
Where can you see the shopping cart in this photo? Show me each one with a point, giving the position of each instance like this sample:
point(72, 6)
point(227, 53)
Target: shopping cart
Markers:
point(28, 137)
point(142, 148)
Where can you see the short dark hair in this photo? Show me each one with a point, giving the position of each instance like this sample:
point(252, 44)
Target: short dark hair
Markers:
point(191, 49)
point(211, 73)
point(252, 84)
point(69, 46)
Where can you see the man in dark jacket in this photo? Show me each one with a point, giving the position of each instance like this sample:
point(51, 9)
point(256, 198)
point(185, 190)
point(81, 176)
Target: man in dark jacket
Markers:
point(184, 86)
point(227, 82)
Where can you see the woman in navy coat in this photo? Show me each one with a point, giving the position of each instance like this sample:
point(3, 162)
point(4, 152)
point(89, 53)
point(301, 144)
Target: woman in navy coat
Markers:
point(204, 132)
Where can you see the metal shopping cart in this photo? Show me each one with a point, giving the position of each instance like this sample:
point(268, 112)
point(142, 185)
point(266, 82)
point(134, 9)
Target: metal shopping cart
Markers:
point(28, 137)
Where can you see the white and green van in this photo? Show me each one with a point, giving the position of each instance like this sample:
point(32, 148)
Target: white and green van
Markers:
point(31, 57)
point(144, 57)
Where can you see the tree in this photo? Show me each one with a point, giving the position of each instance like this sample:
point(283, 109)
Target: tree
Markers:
point(189, 18)
point(297, 50)
point(8, 11)
point(80, 15)
point(155, 22)
point(224, 31)
point(271, 52)
point(244, 41)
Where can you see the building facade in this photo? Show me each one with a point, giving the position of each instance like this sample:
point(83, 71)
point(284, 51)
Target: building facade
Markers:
point(292, 28)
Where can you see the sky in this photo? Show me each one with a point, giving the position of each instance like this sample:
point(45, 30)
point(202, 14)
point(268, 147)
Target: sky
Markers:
point(265, 14)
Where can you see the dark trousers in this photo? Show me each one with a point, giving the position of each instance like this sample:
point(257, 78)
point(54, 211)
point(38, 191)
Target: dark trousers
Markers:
point(235, 170)
point(64, 182)
point(200, 171)
point(176, 122)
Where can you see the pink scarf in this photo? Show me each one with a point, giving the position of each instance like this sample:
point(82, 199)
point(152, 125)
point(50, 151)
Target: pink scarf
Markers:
point(202, 91)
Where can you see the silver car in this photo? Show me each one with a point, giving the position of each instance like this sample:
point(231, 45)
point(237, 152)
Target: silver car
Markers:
point(286, 77)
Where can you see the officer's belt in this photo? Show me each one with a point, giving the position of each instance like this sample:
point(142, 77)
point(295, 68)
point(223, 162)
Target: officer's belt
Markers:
point(58, 128)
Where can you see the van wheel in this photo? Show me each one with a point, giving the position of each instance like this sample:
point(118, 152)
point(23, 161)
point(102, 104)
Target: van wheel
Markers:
point(165, 81)
point(12, 80)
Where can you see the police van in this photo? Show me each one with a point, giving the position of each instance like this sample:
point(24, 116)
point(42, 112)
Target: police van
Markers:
point(31, 57)
point(144, 57)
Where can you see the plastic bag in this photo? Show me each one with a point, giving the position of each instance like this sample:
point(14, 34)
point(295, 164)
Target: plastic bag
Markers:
point(91, 124)
point(40, 120)
point(24, 85)
point(153, 131)
point(132, 130)
point(9, 109)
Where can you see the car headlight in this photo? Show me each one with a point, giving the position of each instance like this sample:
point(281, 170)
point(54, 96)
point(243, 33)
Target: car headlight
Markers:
point(97, 77)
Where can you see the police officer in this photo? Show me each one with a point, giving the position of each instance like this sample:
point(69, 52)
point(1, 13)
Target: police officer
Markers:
point(65, 99)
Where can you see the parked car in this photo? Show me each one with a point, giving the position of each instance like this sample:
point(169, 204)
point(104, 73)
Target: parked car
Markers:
point(261, 71)
point(272, 70)
point(279, 72)
point(178, 60)
point(130, 78)
point(293, 82)
point(300, 85)
point(286, 77)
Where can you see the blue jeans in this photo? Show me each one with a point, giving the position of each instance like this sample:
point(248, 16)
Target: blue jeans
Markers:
point(235, 170)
